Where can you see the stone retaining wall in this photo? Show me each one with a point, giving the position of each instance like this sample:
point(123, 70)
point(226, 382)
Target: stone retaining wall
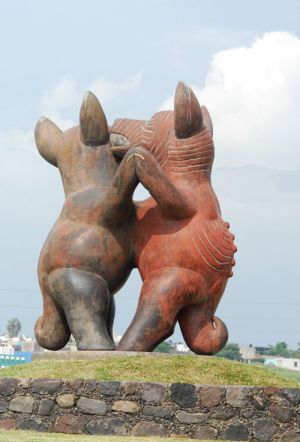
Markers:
point(142, 408)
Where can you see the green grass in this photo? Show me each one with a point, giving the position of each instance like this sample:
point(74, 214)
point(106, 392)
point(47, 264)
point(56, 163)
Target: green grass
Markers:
point(288, 374)
point(29, 436)
point(165, 369)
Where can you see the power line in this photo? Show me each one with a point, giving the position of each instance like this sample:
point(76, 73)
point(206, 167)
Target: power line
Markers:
point(262, 303)
point(36, 292)
point(136, 298)
point(259, 318)
point(18, 290)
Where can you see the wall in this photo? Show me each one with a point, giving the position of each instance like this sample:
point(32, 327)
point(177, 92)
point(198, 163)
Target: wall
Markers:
point(6, 350)
point(291, 364)
point(136, 408)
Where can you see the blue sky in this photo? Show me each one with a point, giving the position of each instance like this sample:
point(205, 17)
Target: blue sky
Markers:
point(243, 61)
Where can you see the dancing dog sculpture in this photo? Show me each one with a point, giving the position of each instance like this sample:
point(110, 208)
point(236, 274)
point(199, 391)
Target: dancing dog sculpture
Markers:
point(87, 255)
point(183, 249)
point(177, 239)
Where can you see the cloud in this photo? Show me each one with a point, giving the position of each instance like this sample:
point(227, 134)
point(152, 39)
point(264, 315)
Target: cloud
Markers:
point(24, 179)
point(61, 96)
point(253, 94)
point(59, 100)
point(107, 90)
point(64, 98)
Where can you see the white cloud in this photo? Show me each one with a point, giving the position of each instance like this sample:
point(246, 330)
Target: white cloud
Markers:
point(59, 99)
point(253, 94)
point(61, 96)
point(18, 155)
point(107, 90)
point(65, 97)
point(23, 173)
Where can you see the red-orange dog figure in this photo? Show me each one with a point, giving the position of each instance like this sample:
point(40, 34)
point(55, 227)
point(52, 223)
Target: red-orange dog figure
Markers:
point(183, 249)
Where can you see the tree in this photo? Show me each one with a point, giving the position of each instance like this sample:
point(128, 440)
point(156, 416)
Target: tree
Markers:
point(230, 351)
point(164, 347)
point(13, 327)
point(280, 349)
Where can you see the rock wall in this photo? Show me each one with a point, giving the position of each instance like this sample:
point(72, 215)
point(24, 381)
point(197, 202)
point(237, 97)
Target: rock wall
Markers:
point(142, 408)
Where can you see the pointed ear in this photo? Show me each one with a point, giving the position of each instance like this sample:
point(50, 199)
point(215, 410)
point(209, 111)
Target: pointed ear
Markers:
point(48, 138)
point(207, 120)
point(188, 118)
point(93, 124)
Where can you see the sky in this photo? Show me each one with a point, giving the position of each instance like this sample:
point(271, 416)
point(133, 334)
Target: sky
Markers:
point(242, 59)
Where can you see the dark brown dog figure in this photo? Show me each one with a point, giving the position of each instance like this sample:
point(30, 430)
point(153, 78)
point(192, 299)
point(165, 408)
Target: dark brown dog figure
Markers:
point(87, 256)
point(183, 249)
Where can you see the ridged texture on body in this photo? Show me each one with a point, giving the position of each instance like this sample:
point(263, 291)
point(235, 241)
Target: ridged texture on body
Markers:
point(214, 243)
point(178, 156)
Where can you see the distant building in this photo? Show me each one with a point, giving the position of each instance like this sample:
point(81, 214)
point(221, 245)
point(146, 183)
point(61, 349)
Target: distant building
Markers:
point(248, 352)
point(262, 350)
point(181, 348)
point(3, 339)
point(5, 346)
point(6, 350)
point(289, 363)
point(16, 359)
point(20, 343)
point(15, 351)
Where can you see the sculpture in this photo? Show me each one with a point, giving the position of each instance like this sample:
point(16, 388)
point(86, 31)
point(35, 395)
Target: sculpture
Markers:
point(184, 250)
point(177, 239)
point(86, 257)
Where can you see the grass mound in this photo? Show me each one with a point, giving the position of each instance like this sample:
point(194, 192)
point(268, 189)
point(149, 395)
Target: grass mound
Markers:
point(29, 436)
point(165, 369)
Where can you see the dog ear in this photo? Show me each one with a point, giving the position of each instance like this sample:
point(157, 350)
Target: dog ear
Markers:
point(48, 138)
point(188, 118)
point(207, 120)
point(93, 124)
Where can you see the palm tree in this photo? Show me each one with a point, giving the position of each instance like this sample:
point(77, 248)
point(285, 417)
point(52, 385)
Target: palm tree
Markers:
point(13, 327)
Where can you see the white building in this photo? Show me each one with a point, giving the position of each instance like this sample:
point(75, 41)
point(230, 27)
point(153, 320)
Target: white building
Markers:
point(248, 352)
point(182, 348)
point(289, 363)
point(5, 346)
point(6, 350)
